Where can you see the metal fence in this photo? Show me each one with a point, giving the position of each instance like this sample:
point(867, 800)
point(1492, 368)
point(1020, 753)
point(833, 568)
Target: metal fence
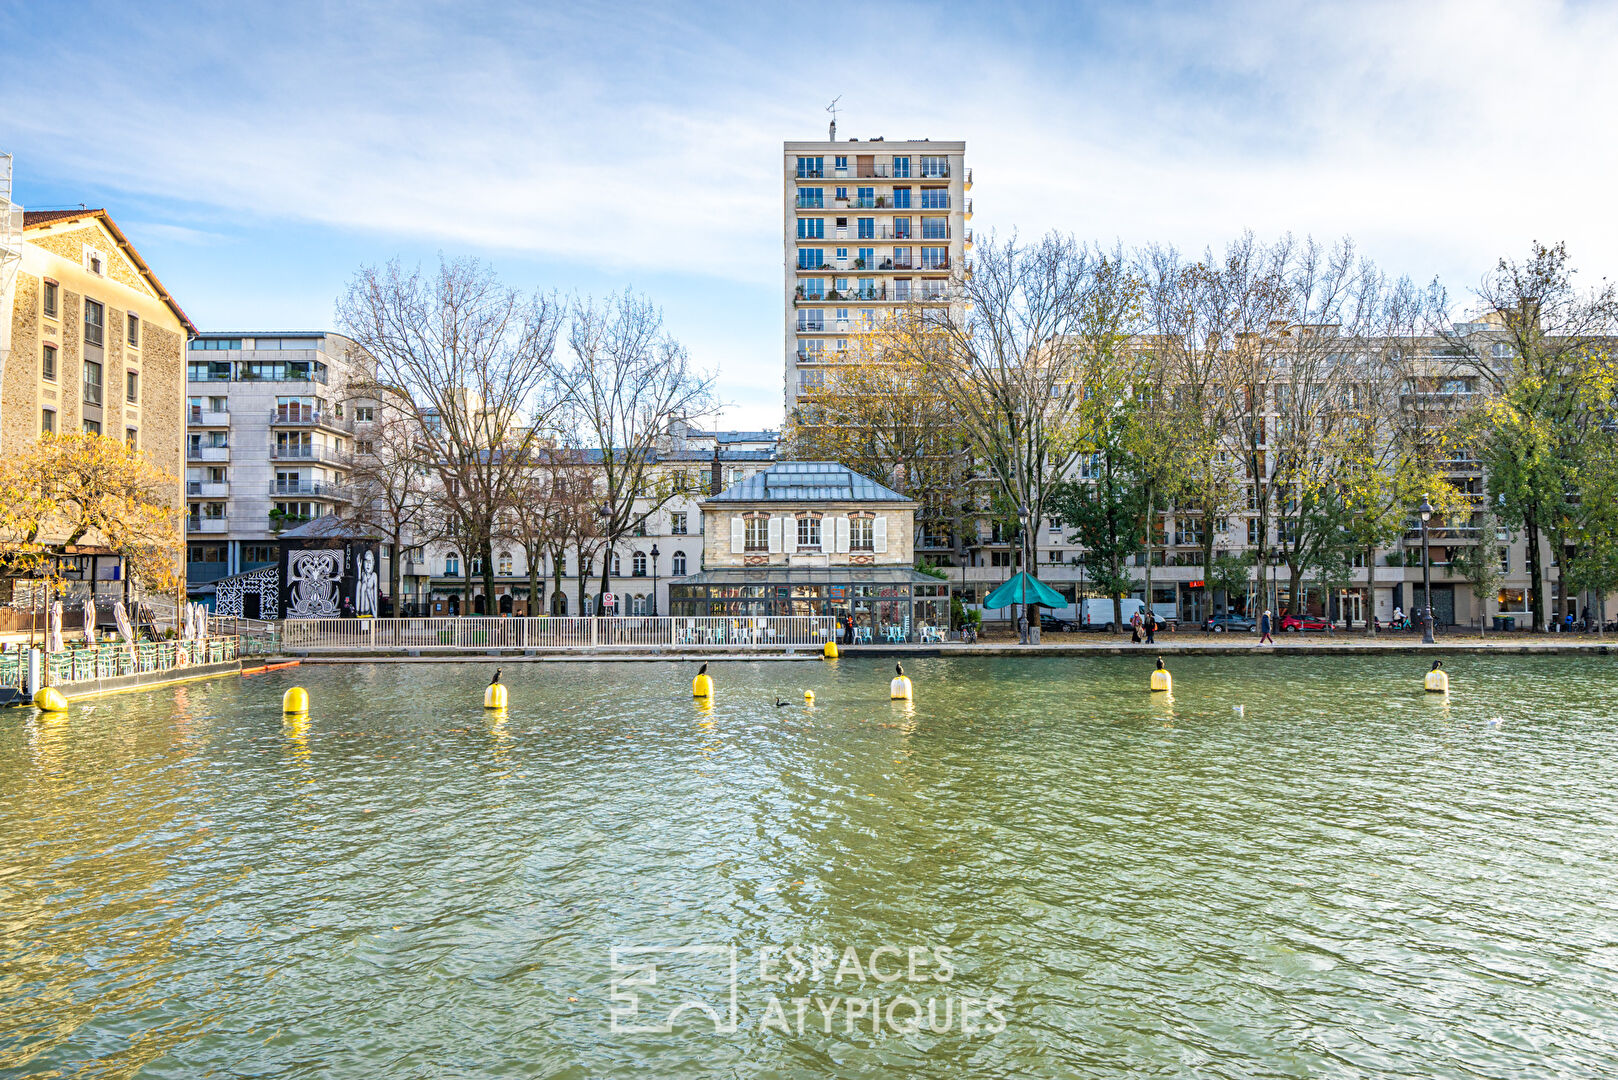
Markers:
point(109, 660)
point(473, 634)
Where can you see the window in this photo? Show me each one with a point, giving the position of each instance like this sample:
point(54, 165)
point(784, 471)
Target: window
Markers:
point(808, 532)
point(505, 564)
point(617, 565)
point(452, 564)
point(934, 228)
point(677, 523)
point(47, 420)
point(811, 258)
point(258, 553)
point(811, 168)
point(811, 228)
point(131, 437)
point(758, 533)
point(364, 414)
point(215, 344)
point(92, 383)
point(999, 558)
point(639, 564)
point(679, 564)
point(132, 386)
point(93, 317)
point(901, 228)
point(364, 446)
point(859, 534)
point(935, 258)
point(934, 167)
point(865, 258)
point(901, 168)
point(814, 289)
point(864, 197)
point(207, 370)
point(867, 228)
point(47, 363)
point(901, 198)
point(92, 427)
point(1505, 560)
point(133, 334)
point(840, 162)
point(934, 198)
point(49, 299)
point(811, 198)
point(95, 262)
point(811, 321)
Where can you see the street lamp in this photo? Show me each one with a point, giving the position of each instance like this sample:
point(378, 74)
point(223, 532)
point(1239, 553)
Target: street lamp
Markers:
point(655, 553)
point(1022, 551)
point(1426, 511)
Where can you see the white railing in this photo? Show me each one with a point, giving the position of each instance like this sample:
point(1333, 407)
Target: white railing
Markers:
point(475, 634)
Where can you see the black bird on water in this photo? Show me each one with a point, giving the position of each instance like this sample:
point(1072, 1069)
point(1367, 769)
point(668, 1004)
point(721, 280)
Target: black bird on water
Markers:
point(496, 677)
point(779, 704)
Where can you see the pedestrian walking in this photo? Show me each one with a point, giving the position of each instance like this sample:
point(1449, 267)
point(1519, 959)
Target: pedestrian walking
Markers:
point(1264, 628)
point(1134, 628)
point(1151, 628)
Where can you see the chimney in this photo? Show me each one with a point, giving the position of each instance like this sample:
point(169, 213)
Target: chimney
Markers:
point(832, 137)
point(715, 481)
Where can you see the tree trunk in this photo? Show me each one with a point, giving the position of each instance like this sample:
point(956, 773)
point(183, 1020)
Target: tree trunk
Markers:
point(533, 556)
point(1295, 588)
point(606, 577)
point(487, 548)
point(1370, 591)
point(1535, 569)
point(1151, 514)
point(395, 574)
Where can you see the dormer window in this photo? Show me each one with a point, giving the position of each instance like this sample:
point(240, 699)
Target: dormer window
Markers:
point(95, 261)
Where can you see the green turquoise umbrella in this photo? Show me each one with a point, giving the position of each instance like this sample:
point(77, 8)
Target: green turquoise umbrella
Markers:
point(1024, 589)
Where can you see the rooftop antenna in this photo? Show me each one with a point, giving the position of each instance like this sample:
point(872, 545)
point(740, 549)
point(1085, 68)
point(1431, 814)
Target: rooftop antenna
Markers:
point(832, 108)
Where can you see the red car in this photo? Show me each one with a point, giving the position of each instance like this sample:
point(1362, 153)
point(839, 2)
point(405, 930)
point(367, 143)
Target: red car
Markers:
point(1306, 622)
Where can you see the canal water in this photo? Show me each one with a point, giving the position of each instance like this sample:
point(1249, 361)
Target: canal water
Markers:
point(1296, 867)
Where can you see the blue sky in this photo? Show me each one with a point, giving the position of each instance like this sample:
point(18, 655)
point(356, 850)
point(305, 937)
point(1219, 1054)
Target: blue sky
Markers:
point(258, 153)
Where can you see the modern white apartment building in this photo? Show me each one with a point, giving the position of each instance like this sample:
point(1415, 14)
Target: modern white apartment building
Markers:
point(272, 426)
point(868, 225)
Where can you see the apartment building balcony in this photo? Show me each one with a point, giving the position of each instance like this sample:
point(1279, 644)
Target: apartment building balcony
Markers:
point(967, 183)
point(1438, 399)
point(323, 454)
point(201, 489)
point(310, 418)
point(208, 418)
point(840, 296)
point(812, 327)
point(876, 265)
point(969, 209)
point(967, 238)
point(308, 489)
point(207, 525)
point(215, 454)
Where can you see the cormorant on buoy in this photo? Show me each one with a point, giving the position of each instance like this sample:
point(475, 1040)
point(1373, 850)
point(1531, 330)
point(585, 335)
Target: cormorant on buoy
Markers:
point(1162, 681)
point(702, 685)
point(1437, 680)
point(899, 689)
point(494, 695)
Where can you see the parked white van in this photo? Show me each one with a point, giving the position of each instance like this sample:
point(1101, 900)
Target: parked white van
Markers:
point(1098, 614)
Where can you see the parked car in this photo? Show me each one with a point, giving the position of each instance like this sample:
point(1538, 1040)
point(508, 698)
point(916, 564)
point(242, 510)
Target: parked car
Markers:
point(1051, 624)
point(1219, 624)
point(1306, 622)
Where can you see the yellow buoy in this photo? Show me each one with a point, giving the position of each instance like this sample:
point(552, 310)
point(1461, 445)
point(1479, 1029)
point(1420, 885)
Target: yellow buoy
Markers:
point(1437, 680)
point(702, 686)
point(295, 700)
point(494, 696)
point(899, 689)
point(830, 651)
point(1162, 681)
point(50, 699)
point(809, 697)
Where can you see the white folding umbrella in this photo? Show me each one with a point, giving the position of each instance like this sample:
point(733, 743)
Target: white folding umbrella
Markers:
point(90, 619)
point(53, 632)
point(121, 617)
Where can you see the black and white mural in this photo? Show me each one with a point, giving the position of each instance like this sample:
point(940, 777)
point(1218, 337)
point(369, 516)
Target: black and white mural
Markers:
point(329, 578)
point(253, 595)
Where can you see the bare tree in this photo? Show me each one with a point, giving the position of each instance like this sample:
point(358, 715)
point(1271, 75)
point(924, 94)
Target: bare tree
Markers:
point(390, 487)
point(470, 362)
point(626, 382)
point(1015, 345)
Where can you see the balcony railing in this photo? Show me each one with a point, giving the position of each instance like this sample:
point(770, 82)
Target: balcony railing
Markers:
point(309, 453)
point(209, 417)
point(839, 296)
point(310, 488)
point(207, 453)
point(207, 490)
point(207, 524)
point(296, 416)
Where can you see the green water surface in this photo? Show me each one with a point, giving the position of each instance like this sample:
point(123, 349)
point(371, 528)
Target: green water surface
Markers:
point(1297, 867)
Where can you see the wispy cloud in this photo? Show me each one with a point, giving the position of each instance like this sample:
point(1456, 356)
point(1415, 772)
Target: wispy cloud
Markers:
point(640, 139)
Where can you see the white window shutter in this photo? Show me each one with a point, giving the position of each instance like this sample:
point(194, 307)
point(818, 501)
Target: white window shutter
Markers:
point(879, 535)
point(775, 536)
point(789, 534)
point(842, 534)
point(738, 535)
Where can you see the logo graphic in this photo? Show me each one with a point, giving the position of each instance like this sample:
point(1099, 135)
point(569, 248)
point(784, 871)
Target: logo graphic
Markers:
point(654, 985)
